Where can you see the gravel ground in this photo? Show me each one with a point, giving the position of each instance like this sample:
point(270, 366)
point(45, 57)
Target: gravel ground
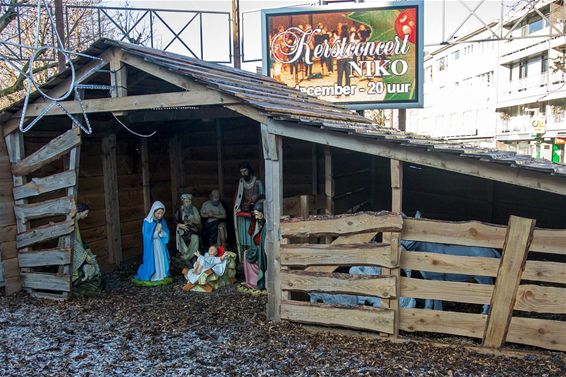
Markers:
point(135, 331)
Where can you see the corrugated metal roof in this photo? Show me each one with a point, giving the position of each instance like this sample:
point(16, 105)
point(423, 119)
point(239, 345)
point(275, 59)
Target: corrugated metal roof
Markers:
point(281, 102)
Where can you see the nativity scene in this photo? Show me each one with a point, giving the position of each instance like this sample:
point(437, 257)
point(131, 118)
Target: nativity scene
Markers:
point(206, 229)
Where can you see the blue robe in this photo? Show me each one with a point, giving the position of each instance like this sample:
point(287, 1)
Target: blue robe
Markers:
point(147, 269)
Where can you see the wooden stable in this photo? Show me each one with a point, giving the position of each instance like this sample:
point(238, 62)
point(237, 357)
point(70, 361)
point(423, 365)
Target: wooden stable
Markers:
point(313, 157)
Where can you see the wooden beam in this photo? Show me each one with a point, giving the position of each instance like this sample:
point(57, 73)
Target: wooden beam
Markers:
point(539, 299)
point(449, 264)
point(462, 324)
point(145, 175)
point(515, 250)
point(551, 272)
point(220, 157)
point(474, 233)
point(111, 199)
point(139, 102)
point(53, 207)
point(48, 257)
point(444, 161)
point(342, 225)
point(249, 112)
point(470, 293)
point(361, 238)
point(56, 148)
point(44, 233)
point(396, 186)
point(47, 281)
point(39, 186)
point(542, 333)
point(273, 155)
point(364, 254)
point(360, 317)
point(364, 285)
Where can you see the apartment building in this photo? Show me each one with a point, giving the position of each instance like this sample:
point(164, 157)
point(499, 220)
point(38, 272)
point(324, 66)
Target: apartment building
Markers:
point(505, 94)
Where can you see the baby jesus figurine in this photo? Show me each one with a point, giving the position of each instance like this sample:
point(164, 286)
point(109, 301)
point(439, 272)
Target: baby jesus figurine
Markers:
point(212, 262)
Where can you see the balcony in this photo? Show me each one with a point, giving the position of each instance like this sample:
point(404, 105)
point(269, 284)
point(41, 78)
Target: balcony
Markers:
point(521, 127)
point(516, 49)
point(531, 89)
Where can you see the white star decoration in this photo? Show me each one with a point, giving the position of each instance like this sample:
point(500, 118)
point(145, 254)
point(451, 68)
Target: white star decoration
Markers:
point(74, 86)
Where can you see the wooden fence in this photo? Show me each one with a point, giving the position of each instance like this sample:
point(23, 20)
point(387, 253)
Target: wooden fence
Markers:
point(526, 301)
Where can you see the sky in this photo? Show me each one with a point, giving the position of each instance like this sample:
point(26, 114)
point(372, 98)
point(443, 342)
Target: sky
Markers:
point(439, 24)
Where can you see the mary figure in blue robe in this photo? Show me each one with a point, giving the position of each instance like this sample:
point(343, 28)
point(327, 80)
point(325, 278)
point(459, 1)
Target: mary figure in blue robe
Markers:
point(155, 267)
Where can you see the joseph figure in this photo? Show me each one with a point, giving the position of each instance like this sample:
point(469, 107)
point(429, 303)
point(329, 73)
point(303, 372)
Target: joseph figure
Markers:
point(250, 189)
point(214, 230)
point(188, 224)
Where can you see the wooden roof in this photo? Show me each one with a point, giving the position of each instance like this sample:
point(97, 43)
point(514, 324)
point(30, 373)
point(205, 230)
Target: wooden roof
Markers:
point(279, 102)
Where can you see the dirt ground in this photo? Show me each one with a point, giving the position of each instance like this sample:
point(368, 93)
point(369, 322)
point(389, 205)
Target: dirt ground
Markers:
point(162, 331)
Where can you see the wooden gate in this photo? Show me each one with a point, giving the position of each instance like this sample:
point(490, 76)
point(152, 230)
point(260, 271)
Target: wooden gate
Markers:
point(527, 299)
point(45, 190)
point(309, 267)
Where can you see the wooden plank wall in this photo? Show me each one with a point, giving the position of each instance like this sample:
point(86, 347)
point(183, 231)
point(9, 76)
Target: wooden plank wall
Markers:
point(461, 197)
point(298, 168)
point(360, 182)
point(8, 253)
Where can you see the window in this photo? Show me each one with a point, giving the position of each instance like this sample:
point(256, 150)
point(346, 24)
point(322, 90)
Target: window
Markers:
point(534, 24)
point(442, 64)
point(456, 55)
point(468, 50)
point(511, 72)
point(522, 69)
point(428, 73)
point(486, 78)
point(544, 63)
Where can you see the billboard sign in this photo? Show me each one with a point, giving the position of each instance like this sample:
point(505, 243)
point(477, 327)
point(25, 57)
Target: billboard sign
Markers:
point(359, 56)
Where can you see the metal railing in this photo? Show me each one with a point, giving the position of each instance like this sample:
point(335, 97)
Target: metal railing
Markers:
point(173, 30)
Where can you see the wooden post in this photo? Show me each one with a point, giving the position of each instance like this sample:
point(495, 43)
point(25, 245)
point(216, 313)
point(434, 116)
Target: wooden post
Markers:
point(304, 208)
point(328, 181)
point(220, 157)
point(515, 250)
point(175, 167)
point(111, 201)
point(236, 32)
point(273, 155)
point(118, 77)
point(396, 186)
point(15, 147)
point(393, 239)
point(402, 119)
point(60, 27)
point(145, 175)
point(314, 166)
